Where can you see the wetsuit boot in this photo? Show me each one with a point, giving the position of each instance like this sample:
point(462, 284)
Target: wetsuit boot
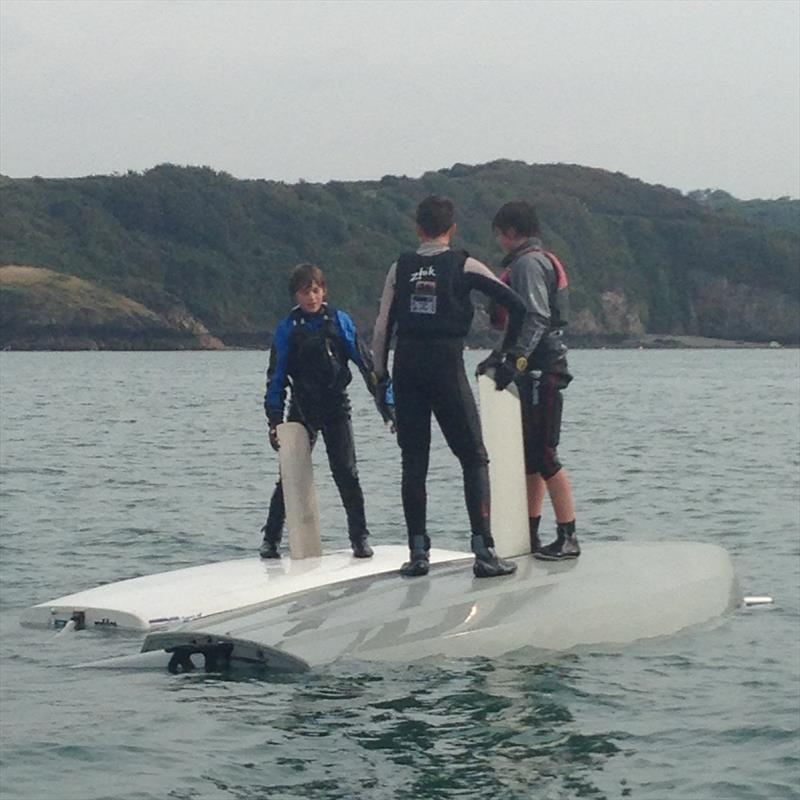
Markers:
point(360, 544)
point(419, 559)
point(487, 563)
point(269, 548)
point(565, 546)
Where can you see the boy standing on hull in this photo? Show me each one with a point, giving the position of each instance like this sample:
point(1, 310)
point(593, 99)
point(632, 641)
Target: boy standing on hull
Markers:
point(539, 278)
point(426, 297)
point(309, 355)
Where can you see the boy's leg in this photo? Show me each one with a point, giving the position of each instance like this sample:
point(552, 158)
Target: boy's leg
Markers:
point(534, 444)
point(536, 491)
point(339, 444)
point(457, 415)
point(412, 406)
point(273, 527)
point(542, 426)
point(560, 491)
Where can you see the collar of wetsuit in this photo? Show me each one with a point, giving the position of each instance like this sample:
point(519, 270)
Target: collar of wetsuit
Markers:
point(321, 314)
point(529, 244)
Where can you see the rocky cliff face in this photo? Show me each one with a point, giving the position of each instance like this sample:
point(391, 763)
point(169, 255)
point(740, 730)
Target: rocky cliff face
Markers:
point(45, 310)
point(718, 309)
point(727, 310)
point(618, 318)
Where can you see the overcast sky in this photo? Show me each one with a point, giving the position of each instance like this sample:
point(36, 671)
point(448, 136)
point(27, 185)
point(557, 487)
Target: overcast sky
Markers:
point(686, 94)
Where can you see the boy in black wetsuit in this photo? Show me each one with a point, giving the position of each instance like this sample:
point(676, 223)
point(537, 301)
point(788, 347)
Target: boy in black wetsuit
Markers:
point(426, 297)
point(309, 355)
point(540, 280)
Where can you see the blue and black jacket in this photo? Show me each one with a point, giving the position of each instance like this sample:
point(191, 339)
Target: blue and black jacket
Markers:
point(309, 356)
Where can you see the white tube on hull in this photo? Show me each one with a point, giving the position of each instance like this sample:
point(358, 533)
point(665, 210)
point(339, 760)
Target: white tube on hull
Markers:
point(167, 599)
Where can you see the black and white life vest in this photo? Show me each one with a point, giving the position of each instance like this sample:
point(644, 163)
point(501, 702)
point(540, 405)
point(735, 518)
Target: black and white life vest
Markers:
point(431, 295)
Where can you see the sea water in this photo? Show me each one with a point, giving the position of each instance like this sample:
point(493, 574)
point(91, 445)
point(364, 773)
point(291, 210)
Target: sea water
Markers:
point(123, 464)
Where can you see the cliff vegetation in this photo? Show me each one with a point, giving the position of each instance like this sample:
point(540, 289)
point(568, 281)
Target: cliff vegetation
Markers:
point(190, 257)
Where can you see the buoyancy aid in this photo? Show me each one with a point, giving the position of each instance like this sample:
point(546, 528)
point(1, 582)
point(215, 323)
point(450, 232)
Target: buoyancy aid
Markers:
point(317, 363)
point(431, 295)
point(557, 292)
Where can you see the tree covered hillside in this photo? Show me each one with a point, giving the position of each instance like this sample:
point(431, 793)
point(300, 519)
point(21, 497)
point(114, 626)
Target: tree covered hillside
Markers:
point(641, 258)
point(782, 213)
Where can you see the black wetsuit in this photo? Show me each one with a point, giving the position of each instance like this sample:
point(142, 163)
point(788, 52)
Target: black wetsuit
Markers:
point(309, 355)
point(427, 299)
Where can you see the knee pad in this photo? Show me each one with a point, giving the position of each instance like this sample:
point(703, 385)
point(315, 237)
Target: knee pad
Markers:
point(550, 464)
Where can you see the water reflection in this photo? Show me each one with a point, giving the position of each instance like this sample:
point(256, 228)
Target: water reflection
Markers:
point(470, 728)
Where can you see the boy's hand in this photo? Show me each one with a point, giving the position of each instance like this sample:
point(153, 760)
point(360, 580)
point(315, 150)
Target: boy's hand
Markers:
point(493, 361)
point(274, 418)
point(390, 418)
point(505, 367)
point(513, 367)
point(385, 409)
point(504, 374)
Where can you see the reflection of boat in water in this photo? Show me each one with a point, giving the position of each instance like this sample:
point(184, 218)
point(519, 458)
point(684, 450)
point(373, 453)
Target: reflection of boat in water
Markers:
point(318, 610)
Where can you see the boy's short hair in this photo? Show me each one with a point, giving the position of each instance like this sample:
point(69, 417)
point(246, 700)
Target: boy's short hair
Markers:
point(435, 215)
point(303, 275)
point(519, 215)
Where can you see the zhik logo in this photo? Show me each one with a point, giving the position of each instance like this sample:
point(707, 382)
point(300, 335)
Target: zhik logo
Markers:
point(423, 272)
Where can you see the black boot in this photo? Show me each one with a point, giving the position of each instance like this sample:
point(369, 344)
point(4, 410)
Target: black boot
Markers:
point(565, 546)
point(419, 559)
point(487, 563)
point(360, 545)
point(269, 549)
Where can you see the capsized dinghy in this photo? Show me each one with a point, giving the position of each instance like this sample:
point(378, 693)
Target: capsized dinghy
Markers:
point(615, 594)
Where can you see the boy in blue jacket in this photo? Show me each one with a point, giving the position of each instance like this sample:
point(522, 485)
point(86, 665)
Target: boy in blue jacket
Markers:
point(309, 356)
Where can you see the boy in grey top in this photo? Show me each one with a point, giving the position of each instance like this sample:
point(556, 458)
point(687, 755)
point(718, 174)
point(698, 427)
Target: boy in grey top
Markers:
point(540, 280)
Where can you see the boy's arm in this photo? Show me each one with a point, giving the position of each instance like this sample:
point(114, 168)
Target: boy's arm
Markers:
point(379, 388)
point(357, 352)
point(275, 396)
point(481, 278)
point(511, 360)
point(382, 335)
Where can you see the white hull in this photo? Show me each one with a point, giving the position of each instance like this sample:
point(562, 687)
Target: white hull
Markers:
point(613, 595)
point(153, 602)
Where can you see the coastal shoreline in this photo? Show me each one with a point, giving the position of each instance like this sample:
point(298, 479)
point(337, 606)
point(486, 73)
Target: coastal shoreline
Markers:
point(650, 341)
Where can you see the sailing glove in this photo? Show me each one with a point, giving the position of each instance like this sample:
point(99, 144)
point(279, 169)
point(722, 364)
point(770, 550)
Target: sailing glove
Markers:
point(505, 367)
point(385, 408)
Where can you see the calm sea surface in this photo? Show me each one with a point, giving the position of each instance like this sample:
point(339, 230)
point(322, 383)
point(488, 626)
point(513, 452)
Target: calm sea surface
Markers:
point(123, 464)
